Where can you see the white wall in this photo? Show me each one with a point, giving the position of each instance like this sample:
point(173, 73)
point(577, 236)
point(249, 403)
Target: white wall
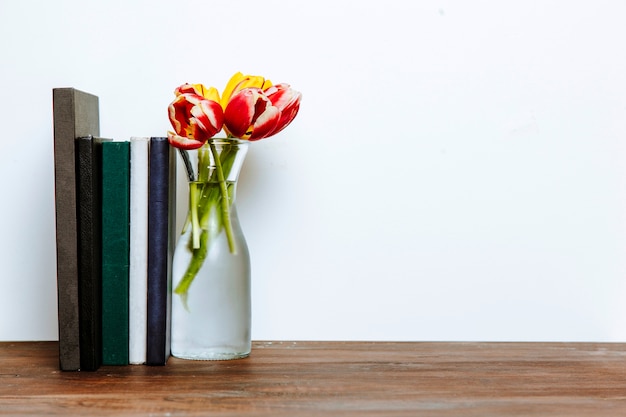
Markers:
point(456, 171)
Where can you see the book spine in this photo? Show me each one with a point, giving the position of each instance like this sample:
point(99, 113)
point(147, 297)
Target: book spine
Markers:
point(115, 251)
point(172, 241)
point(158, 252)
point(75, 114)
point(88, 184)
point(138, 272)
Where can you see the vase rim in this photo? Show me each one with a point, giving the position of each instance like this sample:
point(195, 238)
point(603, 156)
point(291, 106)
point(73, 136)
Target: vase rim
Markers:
point(237, 141)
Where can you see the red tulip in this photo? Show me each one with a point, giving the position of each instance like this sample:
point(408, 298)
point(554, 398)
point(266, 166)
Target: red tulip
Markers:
point(195, 120)
point(255, 114)
point(250, 115)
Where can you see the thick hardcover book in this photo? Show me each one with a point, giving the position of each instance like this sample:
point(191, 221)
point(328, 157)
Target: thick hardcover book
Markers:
point(115, 251)
point(160, 213)
point(75, 114)
point(138, 273)
point(88, 186)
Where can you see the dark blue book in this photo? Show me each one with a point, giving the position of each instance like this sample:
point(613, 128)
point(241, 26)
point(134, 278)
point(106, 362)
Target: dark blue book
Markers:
point(161, 211)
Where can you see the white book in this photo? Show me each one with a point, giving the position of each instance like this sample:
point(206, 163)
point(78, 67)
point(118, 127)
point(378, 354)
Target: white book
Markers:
point(138, 271)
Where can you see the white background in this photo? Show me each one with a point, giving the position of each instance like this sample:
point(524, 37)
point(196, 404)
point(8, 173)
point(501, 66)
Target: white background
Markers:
point(456, 172)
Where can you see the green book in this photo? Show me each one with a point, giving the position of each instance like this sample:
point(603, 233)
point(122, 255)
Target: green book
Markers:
point(115, 251)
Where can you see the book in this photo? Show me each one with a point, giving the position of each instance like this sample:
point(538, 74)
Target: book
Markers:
point(115, 251)
point(138, 266)
point(161, 211)
point(75, 114)
point(88, 200)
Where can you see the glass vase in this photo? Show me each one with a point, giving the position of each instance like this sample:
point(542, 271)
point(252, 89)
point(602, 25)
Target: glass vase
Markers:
point(211, 312)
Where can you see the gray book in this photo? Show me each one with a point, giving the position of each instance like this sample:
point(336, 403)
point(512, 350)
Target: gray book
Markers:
point(75, 114)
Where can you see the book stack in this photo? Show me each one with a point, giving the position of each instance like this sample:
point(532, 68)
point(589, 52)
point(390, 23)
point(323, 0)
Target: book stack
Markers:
point(115, 219)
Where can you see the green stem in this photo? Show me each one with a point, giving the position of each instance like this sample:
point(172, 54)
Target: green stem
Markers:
point(193, 209)
point(209, 209)
point(197, 259)
point(225, 200)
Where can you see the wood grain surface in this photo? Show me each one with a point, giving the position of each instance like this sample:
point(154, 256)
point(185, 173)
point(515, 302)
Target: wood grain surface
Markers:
point(330, 379)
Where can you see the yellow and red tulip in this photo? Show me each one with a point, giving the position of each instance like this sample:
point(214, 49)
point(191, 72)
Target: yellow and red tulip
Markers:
point(195, 118)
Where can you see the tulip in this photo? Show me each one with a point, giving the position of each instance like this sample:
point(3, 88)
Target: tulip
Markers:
point(254, 114)
point(250, 115)
point(195, 119)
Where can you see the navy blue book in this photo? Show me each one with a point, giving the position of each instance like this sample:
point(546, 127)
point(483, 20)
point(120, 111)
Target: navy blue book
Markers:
point(161, 211)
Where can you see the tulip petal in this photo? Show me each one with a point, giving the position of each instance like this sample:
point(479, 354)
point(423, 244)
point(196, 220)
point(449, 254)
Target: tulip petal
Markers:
point(239, 82)
point(200, 90)
point(281, 95)
point(213, 95)
point(230, 86)
point(187, 88)
point(287, 100)
point(265, 124)
point(240, 112)
point(286, 117)
point(209, 116)
point(179, 113)
point(183, 142)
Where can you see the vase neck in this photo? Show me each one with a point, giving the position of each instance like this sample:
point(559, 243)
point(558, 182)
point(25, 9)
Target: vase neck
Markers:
point(217, 160)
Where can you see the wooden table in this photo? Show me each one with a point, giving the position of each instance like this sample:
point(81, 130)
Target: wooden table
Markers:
point(331, 379)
